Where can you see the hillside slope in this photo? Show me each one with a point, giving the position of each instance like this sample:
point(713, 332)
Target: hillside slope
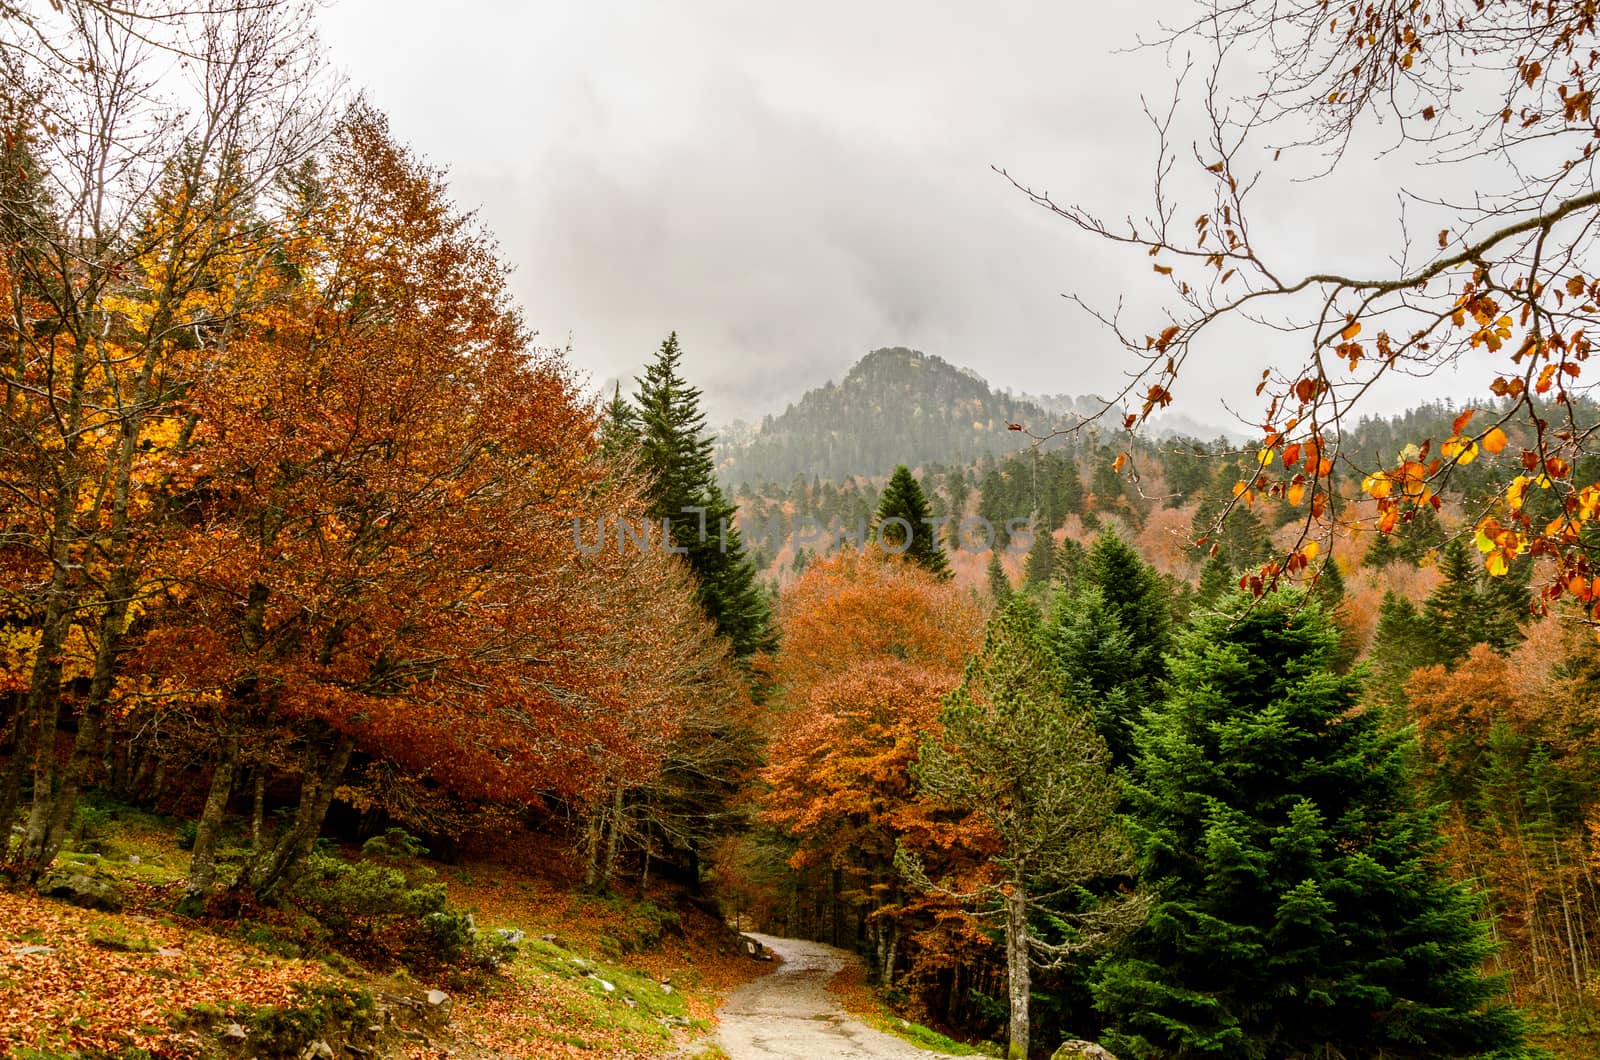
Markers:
point(896, 406)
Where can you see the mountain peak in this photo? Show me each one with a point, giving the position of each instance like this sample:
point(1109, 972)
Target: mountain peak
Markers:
point(895, 406)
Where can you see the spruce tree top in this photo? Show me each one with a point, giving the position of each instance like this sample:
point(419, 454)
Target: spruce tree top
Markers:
point(903, 499)
point(673, 441)
point(1300, 909)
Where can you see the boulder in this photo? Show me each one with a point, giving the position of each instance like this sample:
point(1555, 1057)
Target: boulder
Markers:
point(78, 888)
point(1081, 1050)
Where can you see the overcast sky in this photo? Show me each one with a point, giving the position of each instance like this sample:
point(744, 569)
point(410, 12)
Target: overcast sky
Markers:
point(791, 185)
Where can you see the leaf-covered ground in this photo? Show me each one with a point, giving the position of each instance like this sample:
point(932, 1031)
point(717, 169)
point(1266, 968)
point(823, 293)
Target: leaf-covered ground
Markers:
point(609, 977)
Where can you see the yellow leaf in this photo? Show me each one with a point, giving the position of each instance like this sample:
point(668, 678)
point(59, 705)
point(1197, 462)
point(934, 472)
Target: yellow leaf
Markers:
point(1494, 441)
point(1297, 493)
point(1497, 564)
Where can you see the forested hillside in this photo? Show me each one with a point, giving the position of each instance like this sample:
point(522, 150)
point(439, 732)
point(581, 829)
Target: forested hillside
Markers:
point(894, 406)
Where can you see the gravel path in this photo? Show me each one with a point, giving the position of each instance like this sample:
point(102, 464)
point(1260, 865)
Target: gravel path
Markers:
point(789, 1013)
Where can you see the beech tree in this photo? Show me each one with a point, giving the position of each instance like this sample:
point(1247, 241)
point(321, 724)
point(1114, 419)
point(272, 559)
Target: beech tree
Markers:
point(137, 231)
point(1014, 751)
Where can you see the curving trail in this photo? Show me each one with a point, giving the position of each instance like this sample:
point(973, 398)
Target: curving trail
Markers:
point(789, 1013)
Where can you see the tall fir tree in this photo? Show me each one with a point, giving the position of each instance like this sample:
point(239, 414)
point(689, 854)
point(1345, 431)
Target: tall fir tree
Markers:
point(1000, 588)
point(1469, 607)
point(1328, 590)
point(1040, 565)
point(1070, 559)
point(1300, 907)
point(1242, 539)
point(1400, 644)
point(1096, 657)
point(675, 450)
point(903, 500)
point(619, 427)
point(1217, 582)
point(1135, 597)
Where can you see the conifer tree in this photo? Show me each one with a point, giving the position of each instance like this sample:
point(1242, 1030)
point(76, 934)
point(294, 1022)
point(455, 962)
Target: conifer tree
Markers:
point(675, 450)
point(1040, 565)
point(1070, 559)
point(904, 500)
point(1096, 657)
point(1399, 645)
point(1135, 597)
point(619, 427)
point(1299, 908)
point(1217, 581)
point(1017, 752)
point(1329, 592)
point(999, 581)
point(1468, 607)
point(1242, 539)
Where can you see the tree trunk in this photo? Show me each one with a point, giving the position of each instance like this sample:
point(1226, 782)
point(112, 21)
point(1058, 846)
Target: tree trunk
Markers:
point(80, 768)
point(323, 769)
point(1017, 971)
point(613, 840)
point(591, 850)
point(11, 793)
point(203, 860)
point(258, 808)
point(888, 944)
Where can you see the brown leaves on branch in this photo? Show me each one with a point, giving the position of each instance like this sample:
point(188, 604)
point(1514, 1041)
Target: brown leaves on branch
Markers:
point(1506, 282)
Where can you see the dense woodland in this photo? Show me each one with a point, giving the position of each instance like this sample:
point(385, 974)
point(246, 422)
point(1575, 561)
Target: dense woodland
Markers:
point(303, 535)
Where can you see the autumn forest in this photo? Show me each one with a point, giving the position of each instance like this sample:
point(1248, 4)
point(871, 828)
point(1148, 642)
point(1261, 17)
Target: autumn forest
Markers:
point(322, 567)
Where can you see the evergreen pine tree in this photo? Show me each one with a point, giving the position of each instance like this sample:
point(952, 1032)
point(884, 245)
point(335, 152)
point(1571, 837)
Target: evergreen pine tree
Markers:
point(1018, 753)
point(1471, 607)
point(999, 582)
point(903, 499)
point(1070, 559)
point(1329, 592)
point(1243, 540)
point(1135, 597)
point(1300, 910)
point(1399, 645)
point(619, 427)
point(1217, 581)
point(1040, 565)
point(675, 450)
point(1096, 657)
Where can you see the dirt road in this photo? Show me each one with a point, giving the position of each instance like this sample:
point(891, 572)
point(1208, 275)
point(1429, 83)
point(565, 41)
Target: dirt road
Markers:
point(789, 1013)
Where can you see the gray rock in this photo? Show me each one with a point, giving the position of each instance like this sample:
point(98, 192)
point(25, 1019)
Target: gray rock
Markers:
point(1081, 1050)
point(317, 1050)
point(78, 888)
point(437, 998)
point(666, 988)
point(512, 936)
point(235, 1032)
point(168, 951)
point(28, 951)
